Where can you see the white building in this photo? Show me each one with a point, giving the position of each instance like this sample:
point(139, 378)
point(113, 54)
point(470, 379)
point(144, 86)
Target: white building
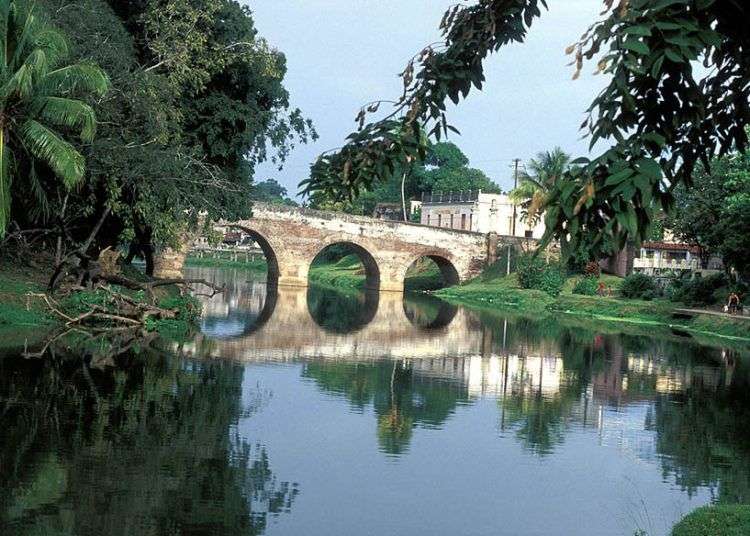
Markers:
point(670, 258)
point(478, 212)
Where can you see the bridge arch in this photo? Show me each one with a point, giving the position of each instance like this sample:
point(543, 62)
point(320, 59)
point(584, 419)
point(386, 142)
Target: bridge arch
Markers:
point(371, 267)
point(448, 270)
point(269, 252)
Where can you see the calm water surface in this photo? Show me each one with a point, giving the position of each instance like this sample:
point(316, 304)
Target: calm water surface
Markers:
point(314, 413)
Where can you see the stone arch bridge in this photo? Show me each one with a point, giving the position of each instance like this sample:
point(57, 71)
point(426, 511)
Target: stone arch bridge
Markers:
point(292, 237)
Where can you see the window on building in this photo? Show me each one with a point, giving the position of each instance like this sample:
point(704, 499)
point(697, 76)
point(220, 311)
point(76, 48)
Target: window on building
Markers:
point(440, 220)
point(428, 219)
point(463, 221)
point(451, 220)
point(471, 220)
point(529, 233)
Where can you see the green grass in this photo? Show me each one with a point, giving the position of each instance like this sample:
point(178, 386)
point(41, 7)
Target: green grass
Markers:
point(22, 319)
point(16, 308)
point(722, 520)
point(346, 273)
point(504, 293)
point(226, 261)
point(25, 319)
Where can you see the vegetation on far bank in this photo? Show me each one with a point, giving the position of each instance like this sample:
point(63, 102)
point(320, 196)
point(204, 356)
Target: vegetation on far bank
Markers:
point(506, 292)
point(719, 520)
point(347, 272)
point(228, 260)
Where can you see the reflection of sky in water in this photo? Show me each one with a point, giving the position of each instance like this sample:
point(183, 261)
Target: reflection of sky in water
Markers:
point(234, 324)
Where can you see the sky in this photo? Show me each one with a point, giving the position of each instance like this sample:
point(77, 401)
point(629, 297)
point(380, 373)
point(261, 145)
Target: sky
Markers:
point(343, 53)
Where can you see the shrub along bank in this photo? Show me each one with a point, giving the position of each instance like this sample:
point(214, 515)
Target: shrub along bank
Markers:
point(721, 520)
point(541, 289)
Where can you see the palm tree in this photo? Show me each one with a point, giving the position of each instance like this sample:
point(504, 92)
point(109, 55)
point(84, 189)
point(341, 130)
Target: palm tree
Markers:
point(535, 185)
point(39, 94)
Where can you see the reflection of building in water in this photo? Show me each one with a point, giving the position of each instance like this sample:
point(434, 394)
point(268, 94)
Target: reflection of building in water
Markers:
point(494, 375)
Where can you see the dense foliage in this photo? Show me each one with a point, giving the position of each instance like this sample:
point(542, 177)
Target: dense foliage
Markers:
point(661, 113)
point(444, 169)
point(586, 286)
point(700, 291)
point(714, 214)
point(639, 286)
point(270, 191)
point(534, 273)
point(38, 106)
point(717, 520)
point(196, 101)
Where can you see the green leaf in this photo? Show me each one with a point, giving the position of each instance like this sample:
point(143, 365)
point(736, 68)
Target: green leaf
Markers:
point(650, 168)
point(640, 30)
point(618, 177)
point(637, 46)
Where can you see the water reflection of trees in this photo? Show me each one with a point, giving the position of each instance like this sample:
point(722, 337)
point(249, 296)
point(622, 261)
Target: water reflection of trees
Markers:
point(341, 312)
point(144, 448)
point(401, 399)
point(699, 401)
point(703, 440)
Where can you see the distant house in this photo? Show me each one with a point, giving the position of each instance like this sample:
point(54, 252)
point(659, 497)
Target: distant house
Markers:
point(673, 258)
point(478, 212)
point(388, 211)
point(232, 238)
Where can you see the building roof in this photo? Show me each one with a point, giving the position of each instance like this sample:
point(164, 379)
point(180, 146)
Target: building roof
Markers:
point(671, 246)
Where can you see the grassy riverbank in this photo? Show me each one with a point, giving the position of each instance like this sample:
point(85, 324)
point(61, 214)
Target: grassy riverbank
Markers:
point(25, 319)
point(21, 317)
point(504, 293)
point(721, 520)
point(226, 260)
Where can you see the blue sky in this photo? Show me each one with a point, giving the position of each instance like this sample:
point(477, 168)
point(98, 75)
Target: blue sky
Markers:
point(343, 53)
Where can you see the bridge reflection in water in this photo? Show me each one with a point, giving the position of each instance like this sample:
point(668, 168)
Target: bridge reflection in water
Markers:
point(251, 324)
point(487, 356)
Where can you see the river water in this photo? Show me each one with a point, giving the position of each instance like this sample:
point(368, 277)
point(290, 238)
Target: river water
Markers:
point(309, 412)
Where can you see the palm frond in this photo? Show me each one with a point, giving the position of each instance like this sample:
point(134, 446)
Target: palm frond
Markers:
point(77, 78)
point(39, 206)
point(70, 113)
point(54, 44)
point(21, 82)
point(22, 42)
point(47, 146)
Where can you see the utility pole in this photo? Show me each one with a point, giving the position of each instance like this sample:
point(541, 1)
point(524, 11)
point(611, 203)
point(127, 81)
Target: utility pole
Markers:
point(516, 162)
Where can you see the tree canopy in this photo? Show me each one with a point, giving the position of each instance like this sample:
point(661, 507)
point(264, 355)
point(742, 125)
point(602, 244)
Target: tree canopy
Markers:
point(660, 113)
point(270, 191)
point(189, 116)
point(714, 214)
point(445, 168)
